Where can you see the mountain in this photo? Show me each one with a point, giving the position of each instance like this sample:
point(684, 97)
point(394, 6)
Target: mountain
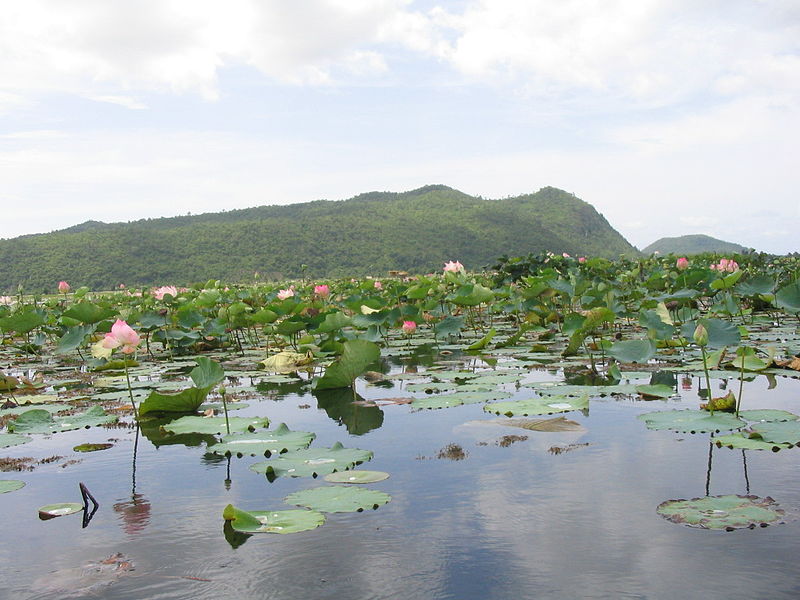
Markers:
point(692, 244)
point(370, 234)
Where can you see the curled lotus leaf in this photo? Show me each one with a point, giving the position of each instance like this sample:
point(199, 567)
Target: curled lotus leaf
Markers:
point(214, 425)
point(338, 498)
point(272, 521)
point(10, 485)
point(538, 406)
point(51, 511)
point(312, 462)
point(722, 512)
point(265, 442)
point(692, 421)
point(286, 361)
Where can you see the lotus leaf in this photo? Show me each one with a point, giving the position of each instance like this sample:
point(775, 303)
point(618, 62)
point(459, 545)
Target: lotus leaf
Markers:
point(51, 511)
point(693, 421)
point(312, 462)
point(448, 375)
point(633, 351)
point(10, 485)
point(430, 387)
point(547, 389)
point(356, 476)
point(768, 414)
point(41, 421)
point(273, 521)
point(787, 432)
point(538, 406)
point(744, 441)
point(92, 447)
point(286, 361)
point(187, 400)
point(441, 401)
point(13, 439)
point(264, 442)
point(357, 356)
point(214, 425)
point(555, 424)
point(338, 498)
point(658, 390)
point(207, 373)
point(722, 512)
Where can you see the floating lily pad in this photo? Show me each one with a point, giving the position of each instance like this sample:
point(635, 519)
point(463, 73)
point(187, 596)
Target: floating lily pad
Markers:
point(13, 439)
point(768, 415)
point(92, 447)
point(338, 498)
point(51, 511)
point(744, 441)
point(356, 476)
point(312, 462)
point(272, 521)
point(692, 421)
point(214, 425)
point(787, 432)
point(430, 387)
point(658, 390)
point(264, 442)
point(722, 512)
point(550, 389)
point(538, 406)
point(10, 485)
point(41, 421)
point(439, 401)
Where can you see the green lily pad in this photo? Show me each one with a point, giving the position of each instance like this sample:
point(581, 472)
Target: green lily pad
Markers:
point(13, 439)
point(92, 447)
point(431, 387)
point(744, 441)
point(658, 390)
point(41, 421)
point(768, 415)
point(214, 425)
point(50, 511)
point(357, 356)
point(551, 389)
point(356, 476)
point(272, 521)
point(435, 402)
point(692, 421)
point(338, 498)
point(313, 462)
point(265, 442)
point(187, 400)
point(10, 485)
point(538, 406)
point(787, 432)
point(722, 512)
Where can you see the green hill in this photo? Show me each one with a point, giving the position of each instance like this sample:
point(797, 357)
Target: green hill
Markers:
point(692, 244)
point(369, 234)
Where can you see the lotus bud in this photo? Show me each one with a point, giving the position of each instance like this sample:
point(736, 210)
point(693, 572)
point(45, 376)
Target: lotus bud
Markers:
point(700, 336)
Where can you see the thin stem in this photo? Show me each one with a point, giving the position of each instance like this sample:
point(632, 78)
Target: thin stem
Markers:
point(130, 390)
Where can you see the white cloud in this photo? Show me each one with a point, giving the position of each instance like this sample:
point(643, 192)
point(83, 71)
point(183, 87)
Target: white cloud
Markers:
point(125, 101)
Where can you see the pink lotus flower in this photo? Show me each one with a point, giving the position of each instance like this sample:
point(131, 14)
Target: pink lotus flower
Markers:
point(63, 287)
point(565, 255)
point(682, 263)
point(121, 334)
point(453, 267)
point(165, 289)
point(323, 291)
point(378, 285)
point(582, 259)
point(287, 293)
point(725, 265)
point(409, 327)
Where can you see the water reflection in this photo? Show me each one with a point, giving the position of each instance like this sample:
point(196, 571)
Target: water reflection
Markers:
point(346, 408)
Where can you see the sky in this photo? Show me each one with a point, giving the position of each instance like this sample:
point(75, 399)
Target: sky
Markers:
point(670, 117)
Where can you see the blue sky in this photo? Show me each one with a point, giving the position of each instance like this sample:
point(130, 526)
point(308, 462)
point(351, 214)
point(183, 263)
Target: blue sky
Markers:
point(669, 116)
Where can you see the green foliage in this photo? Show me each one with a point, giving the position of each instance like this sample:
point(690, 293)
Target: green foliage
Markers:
point(692, 244)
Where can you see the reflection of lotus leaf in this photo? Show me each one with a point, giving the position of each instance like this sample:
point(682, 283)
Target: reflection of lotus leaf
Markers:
point(10, 485)
point(722, 512)
point(338, 498)
point(313, 462)
point(356, 477)
point(272, 521)
point(265, 442)
point(538, 406)
point(693, 421)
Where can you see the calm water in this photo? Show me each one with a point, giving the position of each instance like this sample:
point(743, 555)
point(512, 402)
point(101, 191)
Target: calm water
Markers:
point(504, 522)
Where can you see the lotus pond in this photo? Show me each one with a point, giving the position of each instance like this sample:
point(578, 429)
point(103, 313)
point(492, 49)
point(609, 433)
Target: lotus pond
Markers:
point(536, 437)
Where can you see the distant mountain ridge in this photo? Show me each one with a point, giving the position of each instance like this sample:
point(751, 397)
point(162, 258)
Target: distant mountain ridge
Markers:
point(370, 234)
point(692, 244)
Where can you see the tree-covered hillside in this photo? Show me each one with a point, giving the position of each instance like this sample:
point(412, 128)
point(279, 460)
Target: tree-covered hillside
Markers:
point(370, 234)
point(692, 244)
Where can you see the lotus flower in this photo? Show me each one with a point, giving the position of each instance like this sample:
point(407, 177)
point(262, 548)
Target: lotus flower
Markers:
point(409, 327)
point(582, 259)
point(121, 334)
point(453, 267)
point(287, 293)
point(164, 290)
point(682, 263)
point(378, 285)
point(323, 291)
point(63, 287)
